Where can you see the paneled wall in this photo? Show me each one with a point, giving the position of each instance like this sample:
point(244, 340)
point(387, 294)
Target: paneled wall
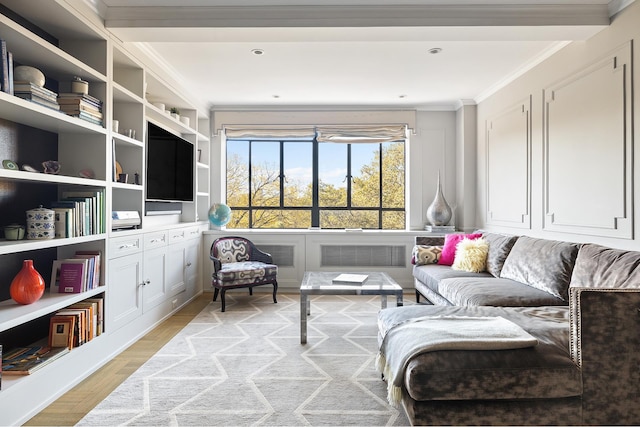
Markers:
point(558, 147)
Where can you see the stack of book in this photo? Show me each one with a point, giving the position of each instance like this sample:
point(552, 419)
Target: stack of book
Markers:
point(77, 324)
point(75, 275)
point(79, 213)
point(83, 106)
point(26, 360)
point(440, 228)
point(34, 93)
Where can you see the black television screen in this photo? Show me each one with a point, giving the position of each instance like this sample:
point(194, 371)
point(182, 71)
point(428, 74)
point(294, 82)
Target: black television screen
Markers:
point(170, 161)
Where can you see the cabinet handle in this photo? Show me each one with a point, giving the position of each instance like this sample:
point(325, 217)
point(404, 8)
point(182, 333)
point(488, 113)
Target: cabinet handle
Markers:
point(127, 246)
point(160, 239)
point(188, 264)
point(146, 282)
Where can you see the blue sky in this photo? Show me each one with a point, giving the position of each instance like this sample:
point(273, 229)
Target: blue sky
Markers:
point(333, 159)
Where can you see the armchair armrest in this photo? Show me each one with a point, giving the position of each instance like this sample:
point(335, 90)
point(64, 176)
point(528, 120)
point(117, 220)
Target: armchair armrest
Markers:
point(261, 256)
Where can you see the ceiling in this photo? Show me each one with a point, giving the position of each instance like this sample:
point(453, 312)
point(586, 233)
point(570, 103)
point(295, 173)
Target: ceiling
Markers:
point(351, 53)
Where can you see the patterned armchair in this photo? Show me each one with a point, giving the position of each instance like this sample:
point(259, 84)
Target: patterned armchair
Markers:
point(238, 263)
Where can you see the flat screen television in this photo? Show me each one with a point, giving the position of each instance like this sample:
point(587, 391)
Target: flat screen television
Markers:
point(170, 163)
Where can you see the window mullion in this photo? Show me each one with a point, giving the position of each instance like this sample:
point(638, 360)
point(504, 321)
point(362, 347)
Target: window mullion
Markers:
point(380, 189)
point(250, 187)
point(281, 174)
point(315, 186)
point(349, 176)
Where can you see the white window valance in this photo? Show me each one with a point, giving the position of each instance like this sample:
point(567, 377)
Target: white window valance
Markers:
point(336, 134)
point(270, 133)
point(361, 134)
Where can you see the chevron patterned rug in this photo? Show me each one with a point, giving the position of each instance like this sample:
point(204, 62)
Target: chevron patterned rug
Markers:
point(246, 367)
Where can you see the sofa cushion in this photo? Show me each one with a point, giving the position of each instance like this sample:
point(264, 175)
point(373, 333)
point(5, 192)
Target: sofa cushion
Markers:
point(544, 264)
point(601, 267)
point(449, 249)
point(499, 247)
point(494, 291)
point(542, 371)
point(471, 255)
point(431, 274)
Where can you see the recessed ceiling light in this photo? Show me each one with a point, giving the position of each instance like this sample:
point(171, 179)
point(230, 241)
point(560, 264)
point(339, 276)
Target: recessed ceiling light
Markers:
point(257, 51)
point(402, 96)
point(276, 96)
point(435, 50)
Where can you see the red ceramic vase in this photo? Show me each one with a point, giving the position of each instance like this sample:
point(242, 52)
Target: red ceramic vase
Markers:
point(28, 285)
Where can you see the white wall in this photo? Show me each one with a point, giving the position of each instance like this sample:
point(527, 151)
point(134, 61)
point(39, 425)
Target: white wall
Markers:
point(431, 148)
point(557, 147)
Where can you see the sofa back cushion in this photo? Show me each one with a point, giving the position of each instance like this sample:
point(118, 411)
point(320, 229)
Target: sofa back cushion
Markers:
point(499, 247)
point(544, 264)
point(606, 268)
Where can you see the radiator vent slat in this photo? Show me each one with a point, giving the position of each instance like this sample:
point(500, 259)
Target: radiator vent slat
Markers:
point(282, 254)
point(362, 256)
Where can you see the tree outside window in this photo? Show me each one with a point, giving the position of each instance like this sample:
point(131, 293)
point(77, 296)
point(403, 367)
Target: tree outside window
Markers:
point(301, 184)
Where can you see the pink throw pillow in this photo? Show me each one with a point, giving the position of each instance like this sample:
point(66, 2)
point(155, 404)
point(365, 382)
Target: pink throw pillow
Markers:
point(448, 254)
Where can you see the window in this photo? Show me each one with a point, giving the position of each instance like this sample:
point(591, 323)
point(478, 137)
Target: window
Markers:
point(297, 183)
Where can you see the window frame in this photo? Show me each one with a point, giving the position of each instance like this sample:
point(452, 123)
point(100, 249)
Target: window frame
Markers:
point(315, 209)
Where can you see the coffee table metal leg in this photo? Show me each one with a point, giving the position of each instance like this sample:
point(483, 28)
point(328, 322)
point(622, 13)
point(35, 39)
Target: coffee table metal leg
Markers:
point(399, 300)
point(383, 301)
point(304, 307)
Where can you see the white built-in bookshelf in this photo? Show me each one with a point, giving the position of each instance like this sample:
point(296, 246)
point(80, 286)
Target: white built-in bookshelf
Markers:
point(147, 272)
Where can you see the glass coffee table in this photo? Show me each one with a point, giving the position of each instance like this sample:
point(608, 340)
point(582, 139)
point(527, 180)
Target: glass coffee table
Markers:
point(321, 283)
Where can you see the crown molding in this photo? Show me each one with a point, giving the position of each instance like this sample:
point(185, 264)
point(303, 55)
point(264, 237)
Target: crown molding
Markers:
point(356, 16)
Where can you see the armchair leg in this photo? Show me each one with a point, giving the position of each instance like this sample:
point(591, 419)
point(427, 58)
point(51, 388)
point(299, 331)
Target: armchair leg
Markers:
point(250, 291)
point(222, 300)
point(275, 289)
point(215, 293)
point(417, 296)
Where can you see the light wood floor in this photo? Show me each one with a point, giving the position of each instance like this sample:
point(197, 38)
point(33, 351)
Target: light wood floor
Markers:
point(77, 402)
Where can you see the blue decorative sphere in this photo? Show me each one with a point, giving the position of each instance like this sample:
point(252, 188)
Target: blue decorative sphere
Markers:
point(219, 214)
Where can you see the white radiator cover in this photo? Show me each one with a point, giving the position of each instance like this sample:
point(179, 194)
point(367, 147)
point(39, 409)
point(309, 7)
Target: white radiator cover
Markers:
point(297, 251)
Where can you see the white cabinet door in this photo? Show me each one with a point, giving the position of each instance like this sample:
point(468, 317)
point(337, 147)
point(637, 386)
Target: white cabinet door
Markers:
point(193, 267)
point(154, 290)
point(176, 269)
point(123, 300)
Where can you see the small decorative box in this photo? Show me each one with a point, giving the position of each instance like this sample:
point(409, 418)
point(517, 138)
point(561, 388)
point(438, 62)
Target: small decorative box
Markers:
point(40, 224)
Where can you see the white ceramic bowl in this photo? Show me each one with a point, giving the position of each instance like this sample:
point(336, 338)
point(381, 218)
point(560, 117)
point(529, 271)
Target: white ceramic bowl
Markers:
point(26, 73)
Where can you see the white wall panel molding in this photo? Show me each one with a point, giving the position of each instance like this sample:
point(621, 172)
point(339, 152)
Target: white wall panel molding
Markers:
point(508, 172)
point(589, 116)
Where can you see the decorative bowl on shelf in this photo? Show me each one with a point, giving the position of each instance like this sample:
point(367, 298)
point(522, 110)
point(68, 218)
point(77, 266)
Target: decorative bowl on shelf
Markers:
point(25, 73)
point(14, 232)
point(51, 167)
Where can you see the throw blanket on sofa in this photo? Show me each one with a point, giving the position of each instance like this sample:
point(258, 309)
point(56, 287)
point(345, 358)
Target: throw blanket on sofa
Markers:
point(412, 337)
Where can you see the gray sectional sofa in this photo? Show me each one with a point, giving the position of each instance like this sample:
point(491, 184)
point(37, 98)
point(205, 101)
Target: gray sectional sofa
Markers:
point(521, 271)
point(584, 368)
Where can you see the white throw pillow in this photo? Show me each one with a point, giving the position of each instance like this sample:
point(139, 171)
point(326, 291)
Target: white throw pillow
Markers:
point(471, 255)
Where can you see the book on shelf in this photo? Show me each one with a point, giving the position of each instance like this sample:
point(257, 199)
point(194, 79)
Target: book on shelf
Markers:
point(26, 360)
point(72, 276)
point(63, 222)
point(61, 330)
point(10, 67)
point(350, 279)
point(79, 331)
point(95, 257)
point(37, 100)
point(4, 66)
point(440, 228)
point(91, 317)
point(72, 98)
point(22, 86)
point(100, 313)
